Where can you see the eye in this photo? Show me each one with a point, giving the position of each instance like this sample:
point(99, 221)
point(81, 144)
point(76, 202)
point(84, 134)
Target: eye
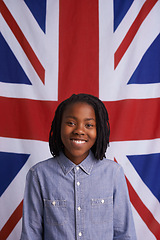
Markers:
point(70, 123)
point(89, 125)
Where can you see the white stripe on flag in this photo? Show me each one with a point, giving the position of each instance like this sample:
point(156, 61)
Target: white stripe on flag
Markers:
point(16, 188)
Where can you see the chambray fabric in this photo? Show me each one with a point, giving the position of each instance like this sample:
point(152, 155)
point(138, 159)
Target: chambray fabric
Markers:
point(66, 202)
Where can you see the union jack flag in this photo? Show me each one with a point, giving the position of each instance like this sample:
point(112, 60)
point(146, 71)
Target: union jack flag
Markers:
point(50, 49)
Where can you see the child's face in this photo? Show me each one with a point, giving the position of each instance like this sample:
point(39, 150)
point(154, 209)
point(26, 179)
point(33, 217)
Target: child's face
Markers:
point(78, 131)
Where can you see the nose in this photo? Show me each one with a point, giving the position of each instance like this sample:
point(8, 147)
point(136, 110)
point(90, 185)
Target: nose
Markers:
point(79, 130)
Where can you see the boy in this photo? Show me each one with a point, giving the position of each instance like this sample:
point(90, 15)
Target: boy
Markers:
point(78, 194)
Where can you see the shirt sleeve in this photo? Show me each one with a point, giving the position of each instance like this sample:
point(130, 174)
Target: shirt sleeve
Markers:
point(123, 220)
point(32, 221)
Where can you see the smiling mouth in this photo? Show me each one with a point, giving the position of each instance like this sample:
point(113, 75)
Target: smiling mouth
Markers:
point(78, 141)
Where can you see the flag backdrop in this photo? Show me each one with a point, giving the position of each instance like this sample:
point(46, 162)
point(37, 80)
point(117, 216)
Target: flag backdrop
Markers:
point(50, 49)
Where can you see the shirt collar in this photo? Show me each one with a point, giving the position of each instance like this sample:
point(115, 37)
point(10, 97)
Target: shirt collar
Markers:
point(86, 165)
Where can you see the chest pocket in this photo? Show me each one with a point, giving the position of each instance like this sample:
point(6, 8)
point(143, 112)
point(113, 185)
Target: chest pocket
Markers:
point(102, 210)
point(55, 211)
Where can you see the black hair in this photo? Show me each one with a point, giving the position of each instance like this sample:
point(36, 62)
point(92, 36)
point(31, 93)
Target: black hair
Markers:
point(102, 125)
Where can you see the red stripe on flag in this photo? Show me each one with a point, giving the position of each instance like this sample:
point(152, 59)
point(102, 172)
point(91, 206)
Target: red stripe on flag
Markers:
point(146, 8)
point(11, 223)
point(25, 119)
point(143, 211)
point(22, 41)
point(134, 119)
point(78, 48)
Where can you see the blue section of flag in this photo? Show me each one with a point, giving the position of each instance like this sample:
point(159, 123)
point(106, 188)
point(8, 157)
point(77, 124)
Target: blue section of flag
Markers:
point(10, 69)
point(38, 9)
point(11, 164)
point(120, 9)
point(148, 167)
point(148, 71)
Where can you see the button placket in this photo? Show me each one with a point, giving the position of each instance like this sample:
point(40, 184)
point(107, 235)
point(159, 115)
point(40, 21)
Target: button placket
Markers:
point(78, 207)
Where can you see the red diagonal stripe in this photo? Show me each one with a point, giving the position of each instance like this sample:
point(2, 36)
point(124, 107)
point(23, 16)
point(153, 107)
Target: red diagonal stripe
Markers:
point(22, 41)
point(143, 211)
point(146, 8)
point(11, 223)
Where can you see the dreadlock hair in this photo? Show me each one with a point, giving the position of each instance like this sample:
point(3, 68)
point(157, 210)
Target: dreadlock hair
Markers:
point(102, 125)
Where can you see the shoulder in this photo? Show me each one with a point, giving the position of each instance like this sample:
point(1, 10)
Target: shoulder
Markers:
point(43, 167)
point(115, 172)
point(42, 164)
point(109, 168)
point(108, 163)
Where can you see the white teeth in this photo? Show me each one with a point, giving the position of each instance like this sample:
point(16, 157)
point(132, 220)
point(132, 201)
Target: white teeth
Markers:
point(79, 141)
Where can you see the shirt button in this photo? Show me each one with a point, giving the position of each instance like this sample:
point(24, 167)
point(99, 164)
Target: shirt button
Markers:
point(77, 168)
point(79, 209)
point(80, 234)
point(78, 183)
point(102, 201)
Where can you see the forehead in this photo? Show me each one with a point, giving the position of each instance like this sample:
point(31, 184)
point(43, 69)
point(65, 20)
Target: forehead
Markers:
point(82, 109)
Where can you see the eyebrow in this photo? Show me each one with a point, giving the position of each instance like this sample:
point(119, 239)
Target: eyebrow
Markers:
point(86, 119)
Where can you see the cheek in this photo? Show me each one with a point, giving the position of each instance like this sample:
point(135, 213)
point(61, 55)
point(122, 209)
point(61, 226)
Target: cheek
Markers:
point(62, 134)
point(94, 135)
point(65, 132)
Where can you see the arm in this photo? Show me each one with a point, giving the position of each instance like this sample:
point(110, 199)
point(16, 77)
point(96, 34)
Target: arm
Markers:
point(123, 221)
point(32, 223)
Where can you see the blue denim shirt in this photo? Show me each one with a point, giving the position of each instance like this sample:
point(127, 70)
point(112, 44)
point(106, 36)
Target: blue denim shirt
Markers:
point(64, 201)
